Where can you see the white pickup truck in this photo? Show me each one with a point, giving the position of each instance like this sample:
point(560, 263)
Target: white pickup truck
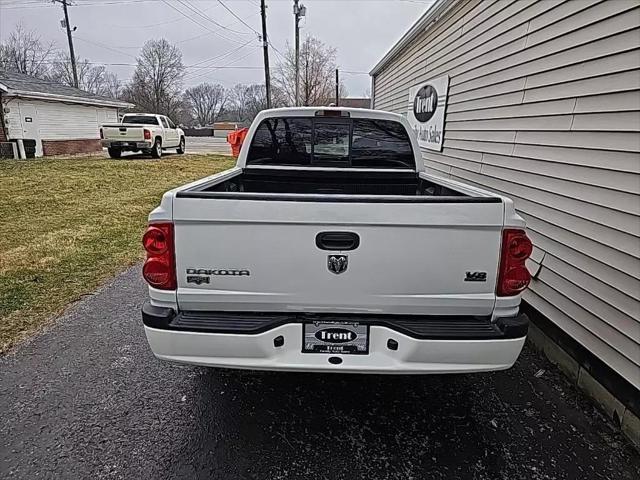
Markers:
point(329, 248)
point(142, 132)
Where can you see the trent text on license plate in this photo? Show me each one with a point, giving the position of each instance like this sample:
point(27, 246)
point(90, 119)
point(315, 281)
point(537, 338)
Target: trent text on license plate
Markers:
point(335, 337)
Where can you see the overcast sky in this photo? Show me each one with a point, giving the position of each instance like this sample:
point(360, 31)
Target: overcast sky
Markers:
point(112, 32)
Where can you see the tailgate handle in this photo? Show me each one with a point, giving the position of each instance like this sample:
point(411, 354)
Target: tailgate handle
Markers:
point(337, 240)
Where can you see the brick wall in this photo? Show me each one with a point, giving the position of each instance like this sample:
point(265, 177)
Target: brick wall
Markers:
point(67, 147)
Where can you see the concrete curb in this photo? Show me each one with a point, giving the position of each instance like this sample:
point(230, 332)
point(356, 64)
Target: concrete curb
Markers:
point(624, 418)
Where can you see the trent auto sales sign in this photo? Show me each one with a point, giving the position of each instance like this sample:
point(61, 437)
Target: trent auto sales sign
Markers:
point(427, 103)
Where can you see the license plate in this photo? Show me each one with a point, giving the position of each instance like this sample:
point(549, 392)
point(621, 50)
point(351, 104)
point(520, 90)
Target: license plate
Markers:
point(335, 337)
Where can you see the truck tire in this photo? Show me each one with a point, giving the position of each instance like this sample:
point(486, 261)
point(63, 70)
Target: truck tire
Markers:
point(181, 147)
point(114, 152)
point(156, 150)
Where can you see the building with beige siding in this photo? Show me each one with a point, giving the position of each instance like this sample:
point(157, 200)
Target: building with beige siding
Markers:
point(543, 105)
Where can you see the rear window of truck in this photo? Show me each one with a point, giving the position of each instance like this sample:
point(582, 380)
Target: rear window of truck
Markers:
point(140, 119)
point(331, 142)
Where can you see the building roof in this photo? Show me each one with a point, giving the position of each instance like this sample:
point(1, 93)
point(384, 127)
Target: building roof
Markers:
point(21, 85)
point(429, 17)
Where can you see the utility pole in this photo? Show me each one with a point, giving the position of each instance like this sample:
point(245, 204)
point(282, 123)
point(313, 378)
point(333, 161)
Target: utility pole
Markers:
point(70, 38)
point(299, 10)
point(265, 49)
point(337, 88)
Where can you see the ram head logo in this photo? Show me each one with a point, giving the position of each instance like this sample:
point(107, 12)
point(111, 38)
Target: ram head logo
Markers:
point(337, 263)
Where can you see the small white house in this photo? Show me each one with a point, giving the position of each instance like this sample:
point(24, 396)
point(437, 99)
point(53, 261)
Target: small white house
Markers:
point(61, 119)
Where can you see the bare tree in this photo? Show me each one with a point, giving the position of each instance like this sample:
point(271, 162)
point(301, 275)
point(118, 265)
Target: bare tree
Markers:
point(91, 78)
point(256, 100)
point(112, 86)
point(317, 74)
point(25, 53)
point(157, 81)
point(183, 115)
point(238, 100)
point(246, 101)
point(206, 102)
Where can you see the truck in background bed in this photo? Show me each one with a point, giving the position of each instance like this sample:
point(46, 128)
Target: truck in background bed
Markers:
point(329, 248)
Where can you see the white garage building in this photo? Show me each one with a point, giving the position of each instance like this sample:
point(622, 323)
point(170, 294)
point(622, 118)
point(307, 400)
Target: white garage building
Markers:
point(540, 101)
point(61, 119)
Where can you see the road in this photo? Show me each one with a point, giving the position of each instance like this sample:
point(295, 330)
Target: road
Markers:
point(87, 400)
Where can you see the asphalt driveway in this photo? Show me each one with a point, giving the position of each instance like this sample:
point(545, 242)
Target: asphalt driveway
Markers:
point(87, 399)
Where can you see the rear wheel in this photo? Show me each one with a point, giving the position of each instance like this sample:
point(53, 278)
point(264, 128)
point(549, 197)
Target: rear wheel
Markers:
point(114, 152)
point(181, 147)
point(156, 151)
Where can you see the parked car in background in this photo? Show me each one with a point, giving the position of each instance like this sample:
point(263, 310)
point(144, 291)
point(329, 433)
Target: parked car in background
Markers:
point(142, 132)
point(329, 248)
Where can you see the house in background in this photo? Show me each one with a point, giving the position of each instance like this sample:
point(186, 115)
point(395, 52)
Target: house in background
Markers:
point(540, 101)
point(60, 119)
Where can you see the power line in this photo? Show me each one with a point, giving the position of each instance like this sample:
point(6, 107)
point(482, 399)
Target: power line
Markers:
point(19, 5)
point(276, 50)
point(218, 57)
point(241, 20)
point(281, 56)
point(209, 67)
point(203, 15)
point(198, 22)
point(229, 65)
point(106, 47)
point(206, 64)
point(204, 35)
point(150, 25)
point(26, 5)
point(177, 42)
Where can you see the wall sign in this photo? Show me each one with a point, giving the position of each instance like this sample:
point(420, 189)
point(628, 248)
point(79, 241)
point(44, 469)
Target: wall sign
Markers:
point(427, 103)
point(28, 119)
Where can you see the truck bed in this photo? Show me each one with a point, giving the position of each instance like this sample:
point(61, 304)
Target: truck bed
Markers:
point(250, 183)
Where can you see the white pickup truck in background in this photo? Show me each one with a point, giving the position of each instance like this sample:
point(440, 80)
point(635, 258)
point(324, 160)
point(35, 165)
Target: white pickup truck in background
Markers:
point(142, 132)
point(328, 248)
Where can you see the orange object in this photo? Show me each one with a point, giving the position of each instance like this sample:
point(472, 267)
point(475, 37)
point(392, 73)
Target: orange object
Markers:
point(235, 139)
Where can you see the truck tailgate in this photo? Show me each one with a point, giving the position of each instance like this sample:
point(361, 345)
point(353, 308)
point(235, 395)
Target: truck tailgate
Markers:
point(412, 258)
point(123, 132)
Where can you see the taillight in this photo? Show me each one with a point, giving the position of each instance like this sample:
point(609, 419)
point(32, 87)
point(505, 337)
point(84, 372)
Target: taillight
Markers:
point(159, 269)
point(147, 134)
point(101, 134)
point(514, 276)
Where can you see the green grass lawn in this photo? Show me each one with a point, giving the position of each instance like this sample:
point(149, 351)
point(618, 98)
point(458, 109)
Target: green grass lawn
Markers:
point(69, 224)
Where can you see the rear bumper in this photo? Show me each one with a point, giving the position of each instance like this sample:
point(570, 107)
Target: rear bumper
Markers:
point(126, 145)
point(209, 341)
